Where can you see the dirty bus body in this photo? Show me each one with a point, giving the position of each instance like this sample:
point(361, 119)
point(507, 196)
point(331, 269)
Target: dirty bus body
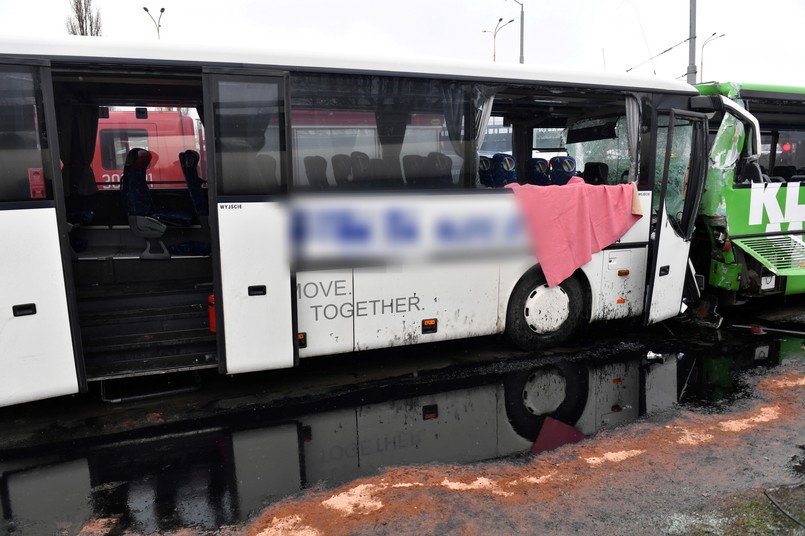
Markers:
point(750, 242)
point(337, 207)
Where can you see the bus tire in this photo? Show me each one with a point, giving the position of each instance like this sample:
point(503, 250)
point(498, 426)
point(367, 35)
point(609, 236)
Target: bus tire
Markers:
point(523, 408)
point(539, 316)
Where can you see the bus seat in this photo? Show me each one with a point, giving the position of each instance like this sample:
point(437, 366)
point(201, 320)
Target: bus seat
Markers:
point(503, 170)
point(595, 173)
point(267, 167)
point(140, 206)
point(485, 171)
point(316, 170)
point(536, 172)
point(785, 172)
point(750, 172)
point(198, 196)
point(414, 169)
point(360, 166)
point(439, 170)
point(342, 169)
point(561, 169)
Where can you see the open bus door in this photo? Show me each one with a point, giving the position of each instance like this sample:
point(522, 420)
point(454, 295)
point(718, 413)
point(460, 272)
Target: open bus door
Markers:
point(247, 159)
point(679, 178)
point(37, 347)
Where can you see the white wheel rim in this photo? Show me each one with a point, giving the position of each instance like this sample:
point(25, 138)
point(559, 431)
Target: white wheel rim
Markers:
point(544, 391)
point(546, 309)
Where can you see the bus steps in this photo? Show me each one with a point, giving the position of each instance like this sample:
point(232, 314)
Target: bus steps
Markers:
point(120, 365)
point(146, 341)
point(120, 390)
point(120, 303)
point(183, 317)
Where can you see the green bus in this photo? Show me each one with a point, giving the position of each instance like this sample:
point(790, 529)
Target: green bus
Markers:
point(750, 234)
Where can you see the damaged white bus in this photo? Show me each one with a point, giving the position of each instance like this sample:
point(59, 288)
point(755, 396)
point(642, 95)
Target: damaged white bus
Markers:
point(329, 205)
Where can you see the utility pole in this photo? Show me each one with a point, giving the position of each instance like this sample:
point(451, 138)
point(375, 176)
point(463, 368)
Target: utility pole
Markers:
point(692, 44)
point(522, 31)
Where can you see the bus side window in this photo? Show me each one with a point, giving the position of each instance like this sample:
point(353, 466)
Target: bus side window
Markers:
point(22, 172)
point(248, 123)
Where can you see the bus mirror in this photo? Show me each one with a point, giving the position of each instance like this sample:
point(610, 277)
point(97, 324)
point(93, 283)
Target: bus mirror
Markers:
point(103, 112)
point(141, 113)
point(706, 104)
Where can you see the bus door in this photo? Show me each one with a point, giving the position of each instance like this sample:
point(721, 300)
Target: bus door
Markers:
point(678, 181)
point(38, 348)
point(247, 160)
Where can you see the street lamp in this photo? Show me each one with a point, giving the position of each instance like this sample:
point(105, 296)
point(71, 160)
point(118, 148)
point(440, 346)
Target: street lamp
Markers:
point(522, 27)
point(498, 27)
point(156, 22)
point(712, 37)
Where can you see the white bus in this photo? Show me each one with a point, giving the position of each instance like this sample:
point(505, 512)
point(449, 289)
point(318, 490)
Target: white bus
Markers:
point(336, 205)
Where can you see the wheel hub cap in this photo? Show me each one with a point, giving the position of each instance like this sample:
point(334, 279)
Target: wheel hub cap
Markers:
point(546, 309)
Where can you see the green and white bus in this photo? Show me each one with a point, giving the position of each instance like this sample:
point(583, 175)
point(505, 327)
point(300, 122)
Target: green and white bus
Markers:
point(750, 242)
point(331, 205)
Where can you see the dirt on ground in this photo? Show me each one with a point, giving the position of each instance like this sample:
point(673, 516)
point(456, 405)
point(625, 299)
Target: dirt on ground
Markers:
point(738, 471)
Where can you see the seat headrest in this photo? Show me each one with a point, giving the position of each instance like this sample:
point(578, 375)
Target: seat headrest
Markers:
point(563, 163)
point(539, 165)
point(562, 169)
point(189, 159)
point(138, 159)
point(596, 172)
point(441, 162)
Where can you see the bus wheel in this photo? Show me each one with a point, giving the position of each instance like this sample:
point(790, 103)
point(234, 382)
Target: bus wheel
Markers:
point(558, 391)
point(540, 316)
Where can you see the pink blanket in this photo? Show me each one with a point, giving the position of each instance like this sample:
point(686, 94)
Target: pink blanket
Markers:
point(568, 223)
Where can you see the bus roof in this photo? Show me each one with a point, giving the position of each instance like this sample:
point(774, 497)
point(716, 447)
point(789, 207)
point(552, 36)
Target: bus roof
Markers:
point(83, 49)
point(752, 91)
point(775, 107)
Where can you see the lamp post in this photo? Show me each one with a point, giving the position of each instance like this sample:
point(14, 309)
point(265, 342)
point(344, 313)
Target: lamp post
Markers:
point(712, 37)
point(156, 22)
point(498, 27)
point(522, 30)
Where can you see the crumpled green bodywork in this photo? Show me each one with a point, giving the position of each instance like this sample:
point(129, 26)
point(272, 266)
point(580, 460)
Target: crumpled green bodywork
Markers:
point(727, 147)
point(731, 90)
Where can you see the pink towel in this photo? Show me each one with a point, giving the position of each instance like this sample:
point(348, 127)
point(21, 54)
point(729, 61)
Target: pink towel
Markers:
point(568, 223)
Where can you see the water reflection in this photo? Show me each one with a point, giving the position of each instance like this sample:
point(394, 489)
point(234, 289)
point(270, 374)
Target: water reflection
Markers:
point(222, 474)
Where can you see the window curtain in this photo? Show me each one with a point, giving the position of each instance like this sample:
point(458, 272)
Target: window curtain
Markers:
point(78, 130)
point(391, 127)
point(633, 134)
point(459, 101)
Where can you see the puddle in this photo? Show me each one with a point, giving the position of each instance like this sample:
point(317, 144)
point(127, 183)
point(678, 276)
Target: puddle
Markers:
point(225, 472)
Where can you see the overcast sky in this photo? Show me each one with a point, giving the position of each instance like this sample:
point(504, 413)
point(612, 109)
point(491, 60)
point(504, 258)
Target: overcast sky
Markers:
point(761, 44)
